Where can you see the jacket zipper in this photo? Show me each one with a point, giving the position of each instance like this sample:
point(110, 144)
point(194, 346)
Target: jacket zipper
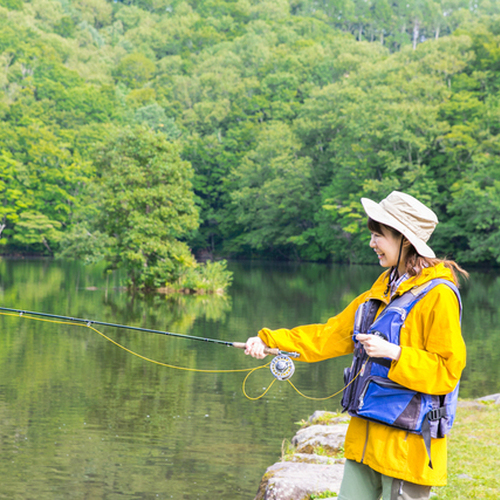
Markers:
point(361, 399)
point(366, 443)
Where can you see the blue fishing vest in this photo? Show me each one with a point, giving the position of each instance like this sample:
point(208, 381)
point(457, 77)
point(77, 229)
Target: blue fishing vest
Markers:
point(371, 395)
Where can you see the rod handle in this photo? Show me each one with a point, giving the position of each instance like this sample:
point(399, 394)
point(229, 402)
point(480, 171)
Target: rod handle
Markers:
point(267, 350)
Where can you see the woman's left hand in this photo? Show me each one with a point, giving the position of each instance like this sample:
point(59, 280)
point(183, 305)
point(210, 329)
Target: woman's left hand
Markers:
point(377, 347)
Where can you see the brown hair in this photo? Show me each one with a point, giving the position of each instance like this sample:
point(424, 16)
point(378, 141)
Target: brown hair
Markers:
point(415, 263)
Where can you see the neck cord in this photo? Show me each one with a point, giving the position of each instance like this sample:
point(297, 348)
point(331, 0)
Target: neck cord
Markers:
point(394, 273)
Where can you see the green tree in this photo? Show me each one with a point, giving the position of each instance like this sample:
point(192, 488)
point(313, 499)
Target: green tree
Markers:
point(146, 206)
point(272, 199)
point(377, 131)
point(134, 70)
point(33, 229)
point(13, 201)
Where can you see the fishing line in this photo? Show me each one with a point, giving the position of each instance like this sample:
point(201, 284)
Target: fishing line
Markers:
point(22, 312)
point(281, 366)
point(27, 315)
point(333, 395)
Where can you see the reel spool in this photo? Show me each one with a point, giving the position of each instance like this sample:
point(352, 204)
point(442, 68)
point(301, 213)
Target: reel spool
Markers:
point(282, 367)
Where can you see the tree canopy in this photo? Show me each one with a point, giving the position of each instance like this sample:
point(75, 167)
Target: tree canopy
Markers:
point(274, 118)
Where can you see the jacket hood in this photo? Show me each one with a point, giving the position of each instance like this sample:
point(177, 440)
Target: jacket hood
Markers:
point(378, 289)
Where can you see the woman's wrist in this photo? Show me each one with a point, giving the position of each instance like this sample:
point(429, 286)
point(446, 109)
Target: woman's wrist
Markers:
point(395, 352)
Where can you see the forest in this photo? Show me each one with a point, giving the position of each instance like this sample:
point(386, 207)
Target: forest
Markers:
point(155, 133)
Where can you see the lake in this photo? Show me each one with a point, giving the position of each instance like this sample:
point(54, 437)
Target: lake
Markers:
point(82, 418)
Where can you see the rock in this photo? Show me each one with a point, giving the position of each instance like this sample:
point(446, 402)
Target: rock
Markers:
point(330, 438)
point(311, 458)
point(471, 404)
point(305, 472)
point(495, 398)
point(296, 481)
point(479, 403)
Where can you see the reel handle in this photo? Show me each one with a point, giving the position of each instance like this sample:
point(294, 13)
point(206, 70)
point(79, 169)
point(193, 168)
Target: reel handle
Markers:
point(267, 350)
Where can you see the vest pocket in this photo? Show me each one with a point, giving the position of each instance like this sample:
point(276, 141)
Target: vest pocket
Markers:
point(352, 378)
point(346, 396)
point(389, 403)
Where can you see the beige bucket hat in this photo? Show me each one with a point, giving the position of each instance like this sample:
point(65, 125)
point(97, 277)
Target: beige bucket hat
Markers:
point(407, 215)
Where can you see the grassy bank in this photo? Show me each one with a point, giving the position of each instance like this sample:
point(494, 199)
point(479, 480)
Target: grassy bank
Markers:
point(473, 454)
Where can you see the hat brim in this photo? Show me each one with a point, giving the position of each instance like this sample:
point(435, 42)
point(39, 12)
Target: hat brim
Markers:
point(377, 213)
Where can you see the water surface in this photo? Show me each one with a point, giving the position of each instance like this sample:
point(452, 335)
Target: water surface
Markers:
point(84, 419)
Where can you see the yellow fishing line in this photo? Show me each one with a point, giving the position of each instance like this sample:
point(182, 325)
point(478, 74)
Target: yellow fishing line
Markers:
point(333, 395)
point(149, 360)
point(243, 386)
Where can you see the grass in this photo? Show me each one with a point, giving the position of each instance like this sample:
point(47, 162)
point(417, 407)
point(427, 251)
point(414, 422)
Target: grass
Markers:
point(325, 494)
point(326, 418)
point(326, 452)
point(473, 454)
point(287, 450)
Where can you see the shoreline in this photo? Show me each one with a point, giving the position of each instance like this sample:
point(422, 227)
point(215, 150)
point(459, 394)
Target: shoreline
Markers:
point(311, 464)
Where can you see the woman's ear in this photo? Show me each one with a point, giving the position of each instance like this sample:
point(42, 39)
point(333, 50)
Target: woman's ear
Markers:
point(406, 243)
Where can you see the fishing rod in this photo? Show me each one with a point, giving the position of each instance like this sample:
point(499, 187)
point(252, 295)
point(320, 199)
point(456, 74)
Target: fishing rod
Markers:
point(281, 366)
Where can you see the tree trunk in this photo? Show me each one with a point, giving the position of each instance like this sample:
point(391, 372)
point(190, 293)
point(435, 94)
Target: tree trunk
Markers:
point(46, 244)
point(416, 27)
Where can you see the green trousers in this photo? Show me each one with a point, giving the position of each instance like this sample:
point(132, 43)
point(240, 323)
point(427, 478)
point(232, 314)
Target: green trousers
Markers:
point(360, 482)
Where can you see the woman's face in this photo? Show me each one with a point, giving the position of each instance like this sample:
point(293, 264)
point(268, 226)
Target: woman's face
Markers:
point(386, 246)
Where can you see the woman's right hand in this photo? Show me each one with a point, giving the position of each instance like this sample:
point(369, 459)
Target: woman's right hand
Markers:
point(255, 347)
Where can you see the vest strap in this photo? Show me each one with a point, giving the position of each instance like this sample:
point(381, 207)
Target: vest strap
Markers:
point(426, 435)
point(437, 413)
point(382, 361)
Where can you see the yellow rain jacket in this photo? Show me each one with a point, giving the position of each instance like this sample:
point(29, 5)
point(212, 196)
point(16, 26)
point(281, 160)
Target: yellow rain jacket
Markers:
point(432, 360)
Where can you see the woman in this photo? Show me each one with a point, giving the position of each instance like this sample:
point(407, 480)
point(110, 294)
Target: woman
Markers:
point(426, 356)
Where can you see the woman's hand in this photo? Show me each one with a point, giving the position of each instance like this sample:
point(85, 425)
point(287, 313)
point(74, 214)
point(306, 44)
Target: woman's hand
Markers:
point(255, 347)
point(377, 347)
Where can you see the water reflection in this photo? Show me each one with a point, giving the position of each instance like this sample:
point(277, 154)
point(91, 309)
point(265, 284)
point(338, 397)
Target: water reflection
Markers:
point(84, 419)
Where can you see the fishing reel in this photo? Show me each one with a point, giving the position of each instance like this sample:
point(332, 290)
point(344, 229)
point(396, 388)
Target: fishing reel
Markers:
point(282, 367)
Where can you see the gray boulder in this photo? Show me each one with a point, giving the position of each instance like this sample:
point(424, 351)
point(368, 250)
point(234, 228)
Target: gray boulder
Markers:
point(329, 438)
point(296, 481)
point(312, 458)
point(314, 466)
point(495, 398)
